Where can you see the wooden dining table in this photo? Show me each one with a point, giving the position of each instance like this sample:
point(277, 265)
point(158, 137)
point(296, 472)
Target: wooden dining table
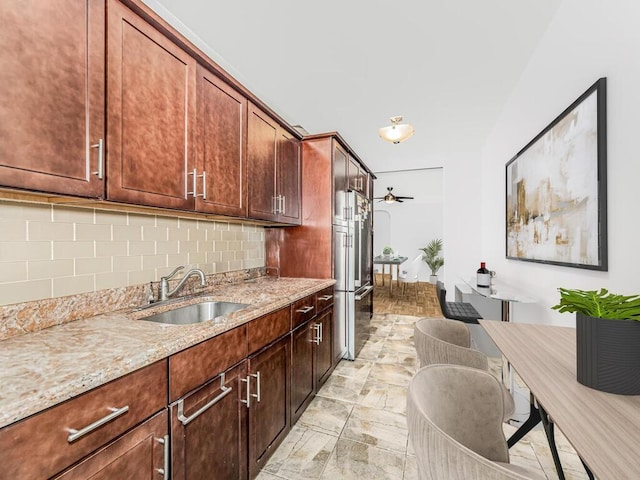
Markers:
point(603, 428)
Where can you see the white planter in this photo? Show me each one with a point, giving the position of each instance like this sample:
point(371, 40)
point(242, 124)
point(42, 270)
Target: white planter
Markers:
point(433, 279)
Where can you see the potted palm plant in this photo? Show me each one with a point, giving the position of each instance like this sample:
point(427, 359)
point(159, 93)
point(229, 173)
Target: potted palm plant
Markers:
point(431, 256)
point(607, 338)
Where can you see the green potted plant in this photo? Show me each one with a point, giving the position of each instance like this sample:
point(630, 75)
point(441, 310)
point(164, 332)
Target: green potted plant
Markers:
point(607, 338)
point(387, 251)
point(431, 256)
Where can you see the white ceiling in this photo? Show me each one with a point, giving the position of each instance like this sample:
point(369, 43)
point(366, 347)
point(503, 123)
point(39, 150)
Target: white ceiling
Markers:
point(447, 66)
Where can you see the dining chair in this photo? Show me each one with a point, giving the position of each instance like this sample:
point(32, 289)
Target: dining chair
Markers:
point(454, 417)
point(440, 340)
point(410, 275)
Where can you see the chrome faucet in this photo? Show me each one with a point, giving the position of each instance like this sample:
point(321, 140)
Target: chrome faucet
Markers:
point(163, 290)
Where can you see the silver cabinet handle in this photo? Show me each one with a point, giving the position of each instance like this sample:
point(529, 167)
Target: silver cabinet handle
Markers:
point(321, 333)
point(274, 205)
point(204, 185)
point(248, 400)
point(325, 298)
point(257, 377)
point(115, 413)
point(164, 471)
point(100, 147)
point(193, 184)
point(186, 420)
point(316, 339)
point(283, 210)
point(305, 309)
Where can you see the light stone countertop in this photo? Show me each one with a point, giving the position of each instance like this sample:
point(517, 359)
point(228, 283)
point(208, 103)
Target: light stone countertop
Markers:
point(43, 368)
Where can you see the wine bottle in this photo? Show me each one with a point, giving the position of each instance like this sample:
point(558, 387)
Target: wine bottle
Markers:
point(484, 277)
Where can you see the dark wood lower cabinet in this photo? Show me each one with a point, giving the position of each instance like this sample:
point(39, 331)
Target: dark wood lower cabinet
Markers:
point(323, 352)
point(302, 378)
point(141, 453)
point(208, 430)
point(269, 397)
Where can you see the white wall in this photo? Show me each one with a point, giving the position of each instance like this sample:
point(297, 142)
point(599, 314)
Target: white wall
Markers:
point(586, 40)
point(412, 224)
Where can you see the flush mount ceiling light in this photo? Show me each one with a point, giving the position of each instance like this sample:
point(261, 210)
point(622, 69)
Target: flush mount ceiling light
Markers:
point(396, 132)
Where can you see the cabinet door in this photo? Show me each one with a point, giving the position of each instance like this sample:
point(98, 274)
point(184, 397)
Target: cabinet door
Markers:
point(356, 176)
point(302, 378)
point(289, 177)
point(52, 95)
point(141, 453)
point(340, 184)
point(151, 114)
point(269, 416)
point(261, 164)
point(208, 430)
point(222, 132)
point(323, 353)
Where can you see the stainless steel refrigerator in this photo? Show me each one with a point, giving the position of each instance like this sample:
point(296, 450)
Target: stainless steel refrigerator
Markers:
point(353, 243)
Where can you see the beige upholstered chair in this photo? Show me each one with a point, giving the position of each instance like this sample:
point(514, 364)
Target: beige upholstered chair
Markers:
point(454, 415)
point(440, 340)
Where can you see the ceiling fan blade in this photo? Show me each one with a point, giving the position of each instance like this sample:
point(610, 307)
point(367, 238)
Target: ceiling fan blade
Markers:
point(398, 199)
point(406, 198)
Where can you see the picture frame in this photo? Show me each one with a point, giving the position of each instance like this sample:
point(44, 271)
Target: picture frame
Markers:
point(556, 189)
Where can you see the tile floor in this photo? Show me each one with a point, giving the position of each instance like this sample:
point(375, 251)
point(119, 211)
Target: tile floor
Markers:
point(356, 428)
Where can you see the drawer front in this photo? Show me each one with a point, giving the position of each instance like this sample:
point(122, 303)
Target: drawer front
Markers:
point(264, 330)
point(324, 298)
point(194, 366)
point(303, 310)
point(40, 446)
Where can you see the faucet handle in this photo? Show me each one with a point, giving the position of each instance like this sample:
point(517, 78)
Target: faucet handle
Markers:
point(167, 277)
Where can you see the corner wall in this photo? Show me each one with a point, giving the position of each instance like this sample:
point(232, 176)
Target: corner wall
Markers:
point(586, 40)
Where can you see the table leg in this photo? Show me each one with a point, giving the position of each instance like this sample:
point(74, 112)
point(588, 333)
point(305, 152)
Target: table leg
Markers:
point(537, 414)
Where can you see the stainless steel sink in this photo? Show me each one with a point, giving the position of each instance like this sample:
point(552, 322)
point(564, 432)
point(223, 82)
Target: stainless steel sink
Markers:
point(196, 313)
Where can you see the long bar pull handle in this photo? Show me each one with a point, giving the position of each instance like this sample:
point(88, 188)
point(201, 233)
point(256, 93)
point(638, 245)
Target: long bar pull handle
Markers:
point(283, 210)
point(321, 332)
point(100, 147)
point(325, 298)
point(194, 186)
point(115, 413)
point(204, 186)
point(274, 204)
point(186, 420)
point(257, 377)
point(305, 309)
point(164, 471)
point(248, 382)
point(316, 339)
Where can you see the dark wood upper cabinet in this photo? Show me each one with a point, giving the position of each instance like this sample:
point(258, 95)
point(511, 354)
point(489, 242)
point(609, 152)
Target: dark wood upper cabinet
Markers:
point(52, 96)
point(261, 160)
point(221, 183)
point(358, 177)
point(151, 99)
point(273, 160)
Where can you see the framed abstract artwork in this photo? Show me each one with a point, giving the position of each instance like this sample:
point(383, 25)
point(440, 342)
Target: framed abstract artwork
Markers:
point(556, 189)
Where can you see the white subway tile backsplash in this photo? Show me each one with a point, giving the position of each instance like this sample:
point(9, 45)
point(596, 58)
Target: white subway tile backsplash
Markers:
point(53, 250)
point(41, 269)
point(93, 265)
point(13, 272)
point(93, 232)
point(127, 232)
point(73, 250)
point(111, 249)
point(72, 214)
point(13, 230)
point(71, 285)
point(48, 231)
point(23, 251)
point(18, 292)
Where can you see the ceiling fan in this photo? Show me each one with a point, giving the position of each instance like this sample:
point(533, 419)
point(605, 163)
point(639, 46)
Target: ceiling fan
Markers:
point(391, 198)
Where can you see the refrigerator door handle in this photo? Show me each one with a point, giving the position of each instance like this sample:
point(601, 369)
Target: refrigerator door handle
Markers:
point(366, 291)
